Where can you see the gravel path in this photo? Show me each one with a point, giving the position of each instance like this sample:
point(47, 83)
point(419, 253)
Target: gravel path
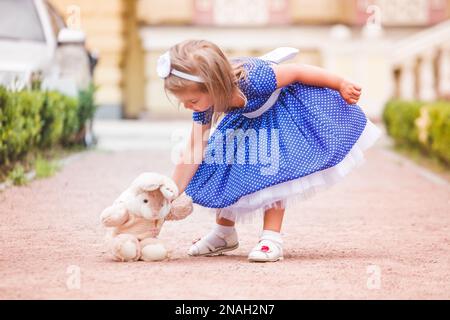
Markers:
point(382, 233)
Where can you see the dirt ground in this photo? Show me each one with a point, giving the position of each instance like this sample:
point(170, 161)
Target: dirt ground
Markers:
point(382, 233)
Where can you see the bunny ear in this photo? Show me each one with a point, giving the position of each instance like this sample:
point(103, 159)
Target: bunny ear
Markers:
point(150, 181)
point(149, 187)
point(147, 181)
point(169, 189)
point(167, 193)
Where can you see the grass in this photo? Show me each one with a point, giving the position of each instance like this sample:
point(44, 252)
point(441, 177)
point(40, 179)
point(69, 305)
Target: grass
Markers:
point(17, 175)
point(43, 162)
point(45, 168)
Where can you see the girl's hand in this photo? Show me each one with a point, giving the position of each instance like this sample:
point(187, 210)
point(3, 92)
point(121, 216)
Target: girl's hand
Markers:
point(350, 92)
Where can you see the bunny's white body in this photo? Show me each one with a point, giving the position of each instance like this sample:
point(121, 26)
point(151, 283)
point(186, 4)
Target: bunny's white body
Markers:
point(137, 215)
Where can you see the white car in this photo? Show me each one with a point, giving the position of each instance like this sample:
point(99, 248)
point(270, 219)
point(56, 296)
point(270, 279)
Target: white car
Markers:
point(35, 40)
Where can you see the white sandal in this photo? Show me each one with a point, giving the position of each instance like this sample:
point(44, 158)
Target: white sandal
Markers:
point(201, 247)
point(267, 250)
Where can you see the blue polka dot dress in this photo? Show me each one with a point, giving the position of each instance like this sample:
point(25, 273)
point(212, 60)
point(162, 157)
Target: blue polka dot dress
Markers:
point(261, 157)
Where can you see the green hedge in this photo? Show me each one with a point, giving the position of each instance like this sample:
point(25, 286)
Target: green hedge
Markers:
point(420, 125)
point(20, 122)
point(33, 119)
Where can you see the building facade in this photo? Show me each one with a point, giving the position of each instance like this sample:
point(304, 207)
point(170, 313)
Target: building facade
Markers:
point(368, 41)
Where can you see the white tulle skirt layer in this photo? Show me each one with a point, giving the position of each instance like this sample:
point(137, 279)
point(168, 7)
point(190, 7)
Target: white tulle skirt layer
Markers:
point(286, 194)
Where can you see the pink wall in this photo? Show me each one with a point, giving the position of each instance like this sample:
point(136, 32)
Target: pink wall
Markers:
point(277, 14)
point(438, 10)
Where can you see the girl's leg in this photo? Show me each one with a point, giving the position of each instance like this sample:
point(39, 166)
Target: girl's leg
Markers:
point(269, 248)
point(222, 237)
point(224, 222)
point(273, 218)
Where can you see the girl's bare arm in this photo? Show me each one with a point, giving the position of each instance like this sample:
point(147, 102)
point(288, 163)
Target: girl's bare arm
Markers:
point(192, 156)
point(316, 76)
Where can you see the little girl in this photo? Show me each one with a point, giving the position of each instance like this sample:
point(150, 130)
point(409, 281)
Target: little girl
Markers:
point(305, 116)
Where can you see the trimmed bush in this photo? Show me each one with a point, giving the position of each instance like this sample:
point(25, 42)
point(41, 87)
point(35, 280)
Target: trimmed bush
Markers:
point(60, 120)
point(52, 118)
point(71, 125)
point(399, 117)
point(420, 125)
point(439, 131)
point(86, 104)
point(33, 119)
point(20, 124)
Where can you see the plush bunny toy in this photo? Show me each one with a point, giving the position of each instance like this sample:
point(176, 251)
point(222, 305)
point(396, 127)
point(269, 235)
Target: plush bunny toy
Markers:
point(137, 215)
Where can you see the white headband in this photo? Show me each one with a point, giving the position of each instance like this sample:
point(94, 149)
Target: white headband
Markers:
point(163, 69)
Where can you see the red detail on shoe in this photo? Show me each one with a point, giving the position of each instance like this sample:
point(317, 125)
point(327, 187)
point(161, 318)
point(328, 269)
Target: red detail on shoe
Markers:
point(265, 249)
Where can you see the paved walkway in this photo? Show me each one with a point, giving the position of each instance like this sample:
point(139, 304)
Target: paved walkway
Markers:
point(384, 232)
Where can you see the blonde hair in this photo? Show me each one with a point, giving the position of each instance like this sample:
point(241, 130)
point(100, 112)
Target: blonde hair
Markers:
point(205, 59)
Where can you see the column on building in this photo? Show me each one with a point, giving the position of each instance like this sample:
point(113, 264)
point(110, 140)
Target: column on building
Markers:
point(444, 71)
point(407, 79)
point(427, 89)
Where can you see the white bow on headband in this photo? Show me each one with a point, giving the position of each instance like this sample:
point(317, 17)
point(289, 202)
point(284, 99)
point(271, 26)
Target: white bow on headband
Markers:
point(164, 69)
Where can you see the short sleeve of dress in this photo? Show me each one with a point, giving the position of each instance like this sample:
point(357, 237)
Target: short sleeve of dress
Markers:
point(261, 80)
point(203, 117)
